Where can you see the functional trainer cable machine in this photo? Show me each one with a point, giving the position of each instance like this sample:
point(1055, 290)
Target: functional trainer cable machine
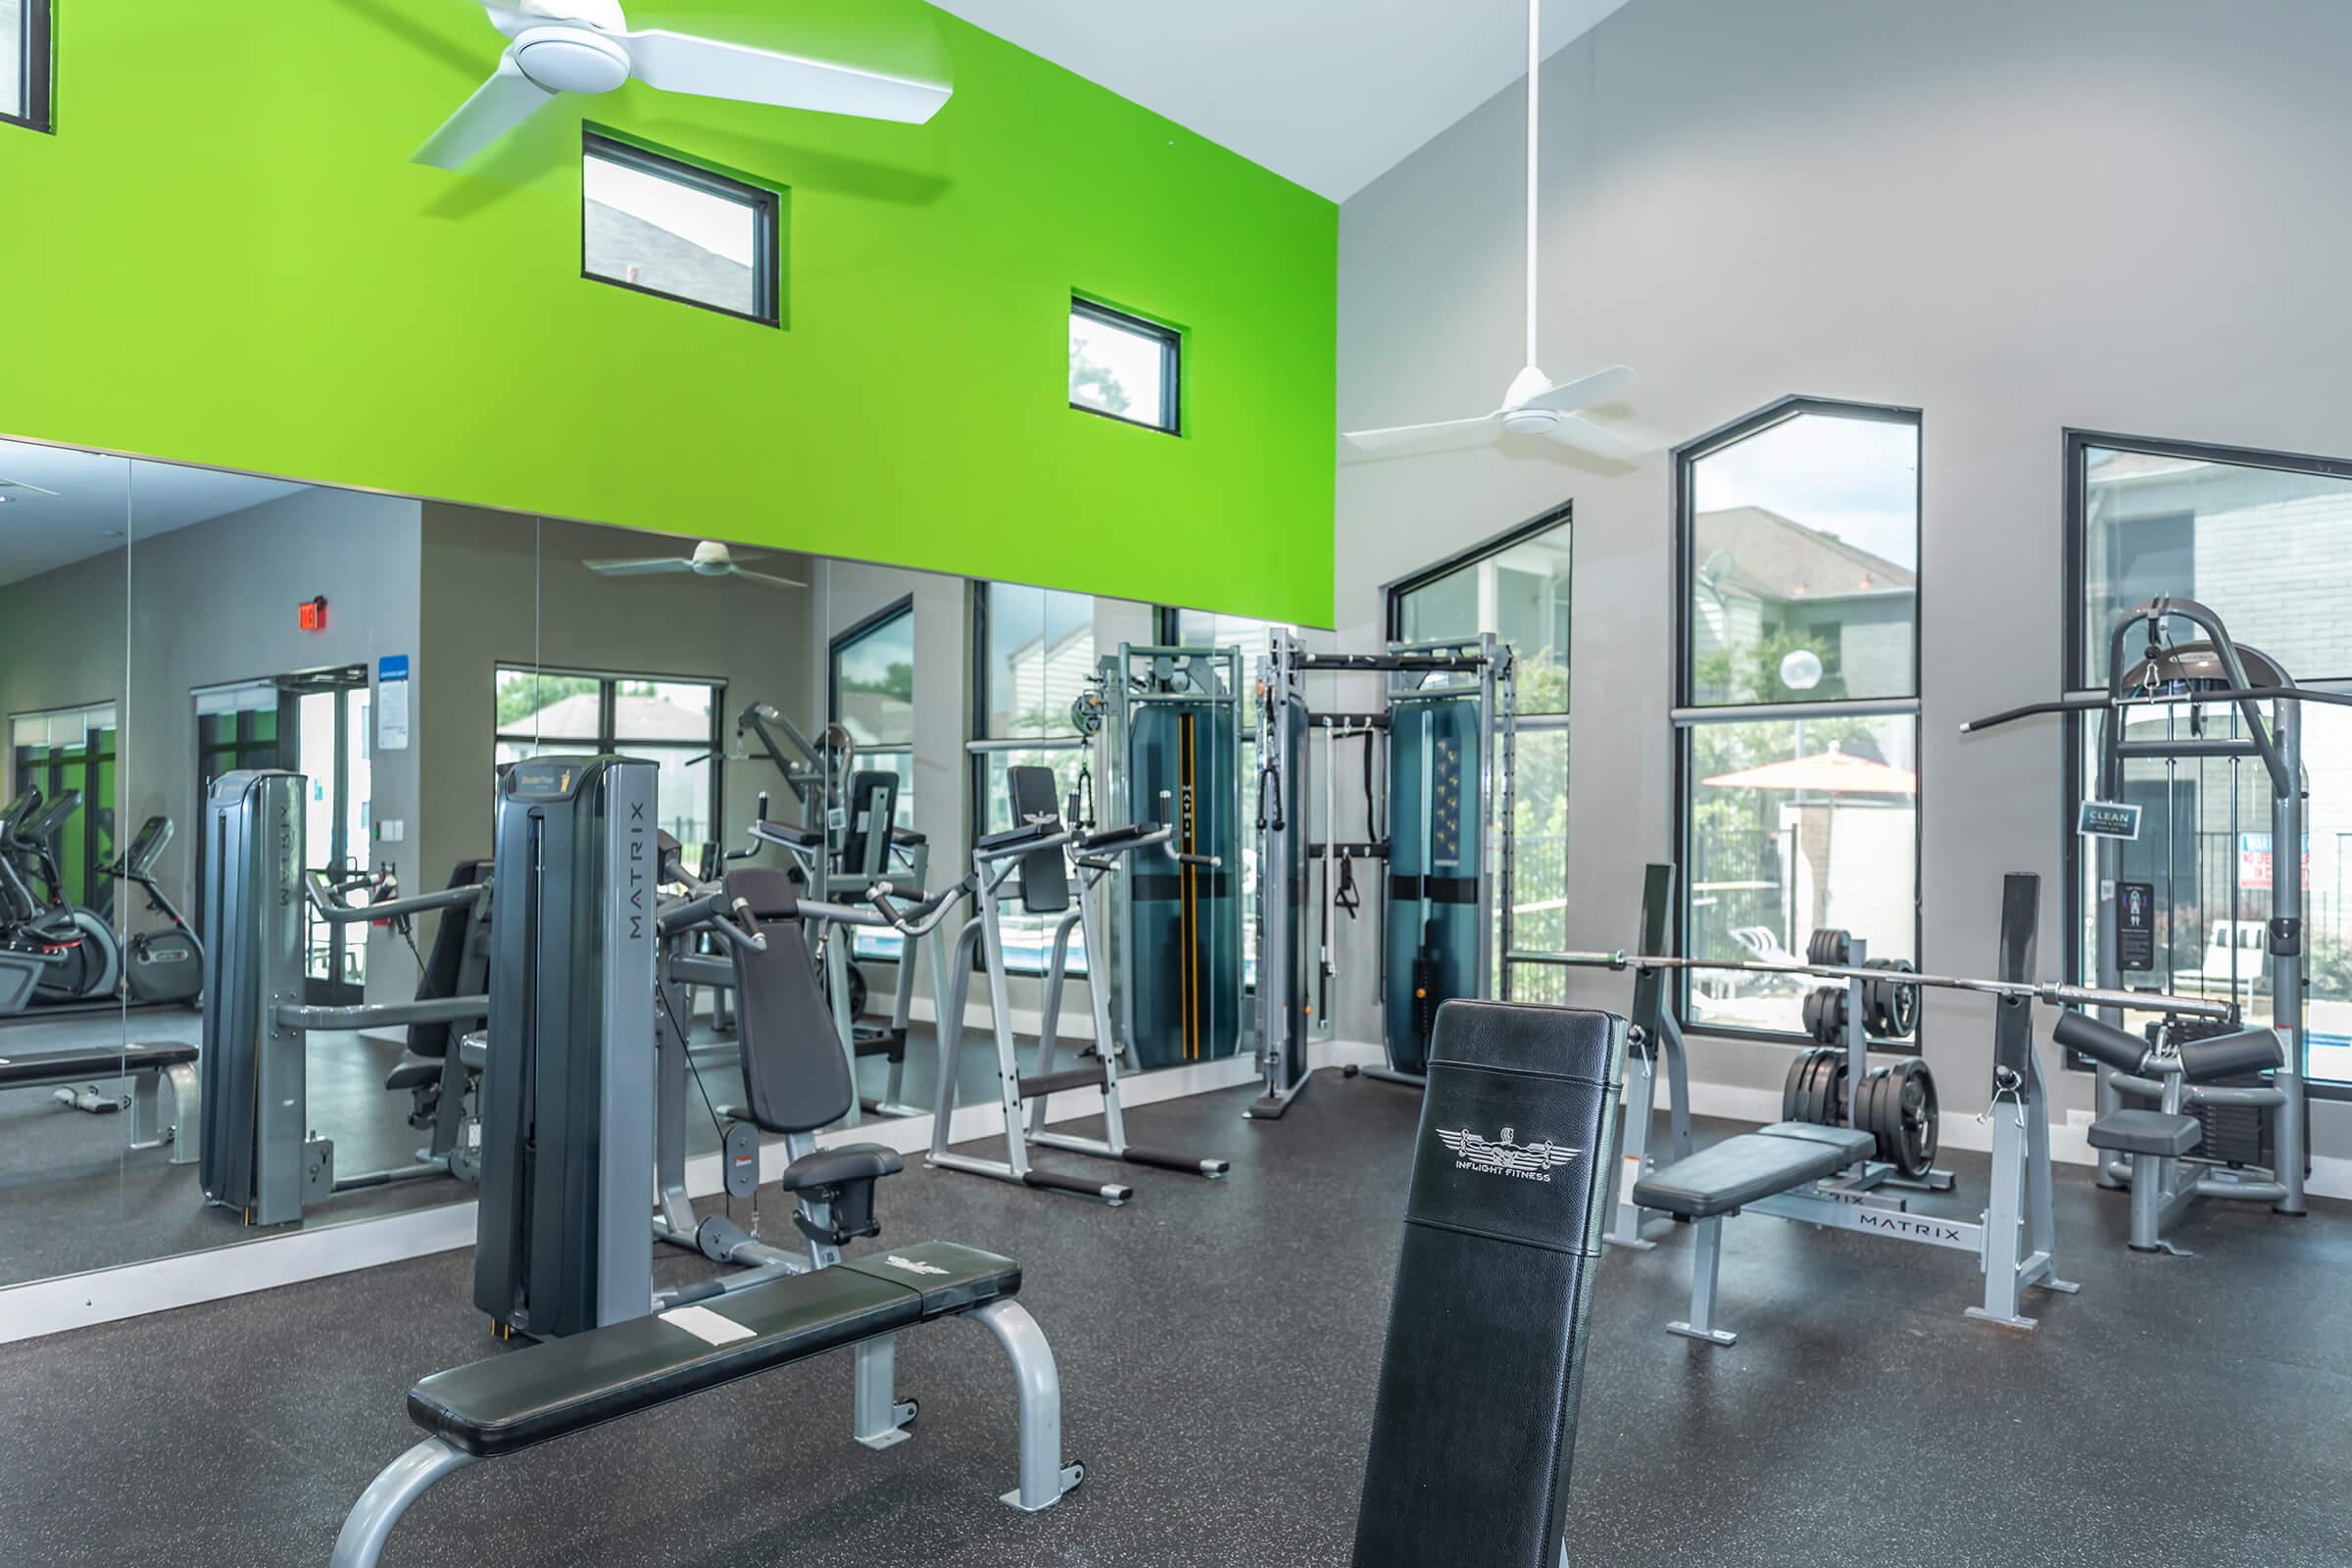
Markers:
point(1450, 719)
point(1170, 730)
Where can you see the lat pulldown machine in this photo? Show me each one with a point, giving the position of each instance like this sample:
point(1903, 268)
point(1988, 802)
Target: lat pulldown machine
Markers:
point(2191, 1110)
point(1448, 718)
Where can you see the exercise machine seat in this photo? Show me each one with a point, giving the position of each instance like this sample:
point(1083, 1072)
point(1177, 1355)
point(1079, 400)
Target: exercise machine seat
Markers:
point(835, 1167)
point(1726, 1177)
point(524, 1397)
point(40, 1069)
point(2147, 1132)
point(805, 838)
point(1475, 1426)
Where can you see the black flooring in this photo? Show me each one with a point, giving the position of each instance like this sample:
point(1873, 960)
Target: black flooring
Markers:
point(1218, 1344)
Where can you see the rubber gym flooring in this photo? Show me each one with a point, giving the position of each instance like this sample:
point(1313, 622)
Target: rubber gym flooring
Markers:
point(1218, 1344)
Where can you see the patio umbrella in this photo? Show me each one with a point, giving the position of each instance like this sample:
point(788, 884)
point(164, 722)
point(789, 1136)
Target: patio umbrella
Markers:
point(1826, 772)
point(1830, 772)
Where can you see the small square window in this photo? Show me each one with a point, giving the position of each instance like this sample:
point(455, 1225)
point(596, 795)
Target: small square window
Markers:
point(662, 226)
point(25, 74)
point(1123, 367)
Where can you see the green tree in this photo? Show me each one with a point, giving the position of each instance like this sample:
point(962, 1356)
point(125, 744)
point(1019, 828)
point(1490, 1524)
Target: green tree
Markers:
point(522, 697)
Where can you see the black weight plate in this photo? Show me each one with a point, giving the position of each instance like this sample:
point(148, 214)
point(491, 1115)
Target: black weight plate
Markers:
point(1911, 1117)
point(1809, 1093)
point(1809, 1014)
point(1824, 1089)
point(1867, 1111)
point(1793, 1089)
point(1817, 1090)
point(1906, 1003)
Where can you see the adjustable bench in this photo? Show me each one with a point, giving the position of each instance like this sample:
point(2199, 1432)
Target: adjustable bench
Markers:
point(525, 1397)
point(148, 1066)
point(1747, 1169)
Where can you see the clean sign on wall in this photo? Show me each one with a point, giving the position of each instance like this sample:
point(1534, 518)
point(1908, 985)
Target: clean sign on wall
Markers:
point(392, 703)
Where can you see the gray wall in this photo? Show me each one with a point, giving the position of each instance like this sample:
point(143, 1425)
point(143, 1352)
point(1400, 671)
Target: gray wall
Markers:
point(509, 589)
point(211, 604)
point(2017, 216)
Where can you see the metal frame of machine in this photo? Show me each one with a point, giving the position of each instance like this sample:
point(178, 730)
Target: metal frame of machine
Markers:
point(1416, 675)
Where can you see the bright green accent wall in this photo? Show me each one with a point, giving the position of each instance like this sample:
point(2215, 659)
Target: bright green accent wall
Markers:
point(224, 257)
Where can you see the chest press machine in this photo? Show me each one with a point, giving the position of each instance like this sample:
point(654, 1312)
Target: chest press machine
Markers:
point(1826, 1175)
point(566, 1230)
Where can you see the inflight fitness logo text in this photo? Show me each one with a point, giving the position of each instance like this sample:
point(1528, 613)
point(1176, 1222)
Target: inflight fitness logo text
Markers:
point(1529, 1163)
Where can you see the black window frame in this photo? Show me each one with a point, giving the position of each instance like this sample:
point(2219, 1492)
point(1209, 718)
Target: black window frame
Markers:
point(36, 66)
point(608, 707)
point(766, 204)
point(901, 609)
point(1687, 715)
point(2075, 667)
point(1171, 364)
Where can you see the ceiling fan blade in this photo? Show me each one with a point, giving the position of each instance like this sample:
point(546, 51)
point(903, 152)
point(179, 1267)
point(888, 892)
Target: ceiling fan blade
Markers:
point(1618, 443)
point(767, 579)
point(497, 105)
point(1584, 391)
point(641, 566)
point(1401, 440)
point(677, 62)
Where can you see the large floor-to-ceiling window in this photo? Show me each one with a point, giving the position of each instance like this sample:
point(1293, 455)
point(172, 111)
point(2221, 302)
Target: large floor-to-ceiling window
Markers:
point(1035, 652)
point(1797, 718)
point(1517, 587)
point(2264, 539)
point(869, 692)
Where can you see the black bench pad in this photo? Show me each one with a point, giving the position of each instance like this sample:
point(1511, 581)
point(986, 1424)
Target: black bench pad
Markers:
point(2147, 1132)
point(1728, 1176)
point(513, 1401)
point(37, 1068)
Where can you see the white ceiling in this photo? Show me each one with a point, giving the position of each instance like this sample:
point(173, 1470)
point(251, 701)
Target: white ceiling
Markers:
point(101, 501)
point(1329, 93)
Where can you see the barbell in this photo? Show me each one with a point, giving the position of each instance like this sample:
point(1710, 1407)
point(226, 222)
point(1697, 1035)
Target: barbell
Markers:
point(2060, 995)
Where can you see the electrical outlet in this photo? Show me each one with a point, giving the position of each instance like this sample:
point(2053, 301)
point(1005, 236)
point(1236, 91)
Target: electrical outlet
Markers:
point(2080, 1120)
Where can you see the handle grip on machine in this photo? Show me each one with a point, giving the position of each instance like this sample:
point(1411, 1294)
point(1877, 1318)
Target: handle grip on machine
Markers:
point(919, 919)
point(730, 918)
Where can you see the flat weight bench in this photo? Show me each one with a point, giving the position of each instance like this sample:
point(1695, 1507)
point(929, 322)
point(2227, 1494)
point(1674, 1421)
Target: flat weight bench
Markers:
point(517, 1401)
point(1727, 1177)
point(149, 1068)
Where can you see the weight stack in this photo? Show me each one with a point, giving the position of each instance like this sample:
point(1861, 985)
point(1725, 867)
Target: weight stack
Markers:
point(1475, 1424)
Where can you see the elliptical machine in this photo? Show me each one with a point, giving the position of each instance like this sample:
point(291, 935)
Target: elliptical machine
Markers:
point(81, 959)
point(158, 966)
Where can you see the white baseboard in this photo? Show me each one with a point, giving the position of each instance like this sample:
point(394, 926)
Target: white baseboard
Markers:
point(106, 1296)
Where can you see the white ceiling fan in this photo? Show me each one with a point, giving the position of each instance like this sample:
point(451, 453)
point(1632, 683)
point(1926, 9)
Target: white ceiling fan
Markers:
point(1533, 405)
point(587, 46)
point(710, 559)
